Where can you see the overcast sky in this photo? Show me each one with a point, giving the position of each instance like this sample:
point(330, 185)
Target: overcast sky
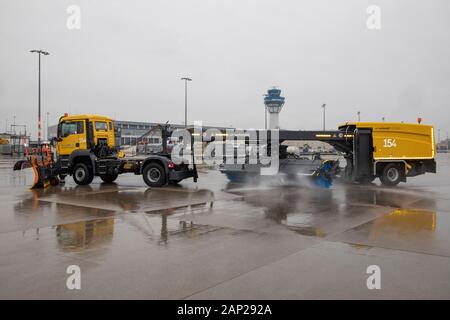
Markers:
point(127, 59)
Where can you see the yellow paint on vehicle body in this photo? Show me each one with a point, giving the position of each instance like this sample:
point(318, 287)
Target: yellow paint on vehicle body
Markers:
point(78, 140)
point(401, 141)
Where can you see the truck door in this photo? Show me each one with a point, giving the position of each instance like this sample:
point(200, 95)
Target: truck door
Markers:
point(72, 135)
point(363, 155)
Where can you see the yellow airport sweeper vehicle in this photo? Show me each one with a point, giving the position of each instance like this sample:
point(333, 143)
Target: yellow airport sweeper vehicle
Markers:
point(85, 148)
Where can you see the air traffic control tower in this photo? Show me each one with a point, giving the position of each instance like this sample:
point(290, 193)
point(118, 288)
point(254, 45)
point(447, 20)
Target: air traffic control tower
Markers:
point(274, 102)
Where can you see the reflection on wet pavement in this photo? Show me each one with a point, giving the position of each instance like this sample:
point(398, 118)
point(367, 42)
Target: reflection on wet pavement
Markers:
point(77, 235)
point(89, 234)
point(407, 221)
point(404, 229)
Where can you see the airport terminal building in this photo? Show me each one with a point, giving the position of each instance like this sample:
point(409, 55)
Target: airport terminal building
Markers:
point(129, 132)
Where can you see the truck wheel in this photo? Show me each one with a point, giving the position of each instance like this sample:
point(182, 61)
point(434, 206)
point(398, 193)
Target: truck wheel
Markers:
point(154, 175)
point(109, 178)
point(82, 174)
point(392, 175)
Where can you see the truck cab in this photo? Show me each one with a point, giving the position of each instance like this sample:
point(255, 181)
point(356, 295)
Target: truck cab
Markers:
point(86, 147)
point(83, 132)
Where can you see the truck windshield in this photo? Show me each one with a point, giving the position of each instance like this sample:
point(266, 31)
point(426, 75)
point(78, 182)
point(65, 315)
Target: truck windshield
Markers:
point(71, 127)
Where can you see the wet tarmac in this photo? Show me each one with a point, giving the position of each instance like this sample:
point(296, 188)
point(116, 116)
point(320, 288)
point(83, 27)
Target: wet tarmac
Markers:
point(216, 240)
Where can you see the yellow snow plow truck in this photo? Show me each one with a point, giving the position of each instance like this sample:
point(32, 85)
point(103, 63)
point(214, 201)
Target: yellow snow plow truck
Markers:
point(85, 148)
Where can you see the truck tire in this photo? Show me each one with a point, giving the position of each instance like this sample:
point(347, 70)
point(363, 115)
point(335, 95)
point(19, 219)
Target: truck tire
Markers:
point(82, 174)
point(109, 178)
point(392, 175)
point(154, 175)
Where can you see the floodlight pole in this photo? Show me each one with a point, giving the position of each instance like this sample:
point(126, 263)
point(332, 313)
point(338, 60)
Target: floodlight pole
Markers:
point(39, 52)
point(186, 79)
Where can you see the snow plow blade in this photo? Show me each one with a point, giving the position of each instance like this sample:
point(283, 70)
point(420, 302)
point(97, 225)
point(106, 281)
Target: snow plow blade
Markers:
point(44, 168)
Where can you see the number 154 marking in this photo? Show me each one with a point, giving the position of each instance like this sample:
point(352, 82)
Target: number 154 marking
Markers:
point(390, 143)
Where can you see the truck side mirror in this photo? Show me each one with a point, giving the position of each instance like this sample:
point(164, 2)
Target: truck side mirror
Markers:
point(54, 140)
